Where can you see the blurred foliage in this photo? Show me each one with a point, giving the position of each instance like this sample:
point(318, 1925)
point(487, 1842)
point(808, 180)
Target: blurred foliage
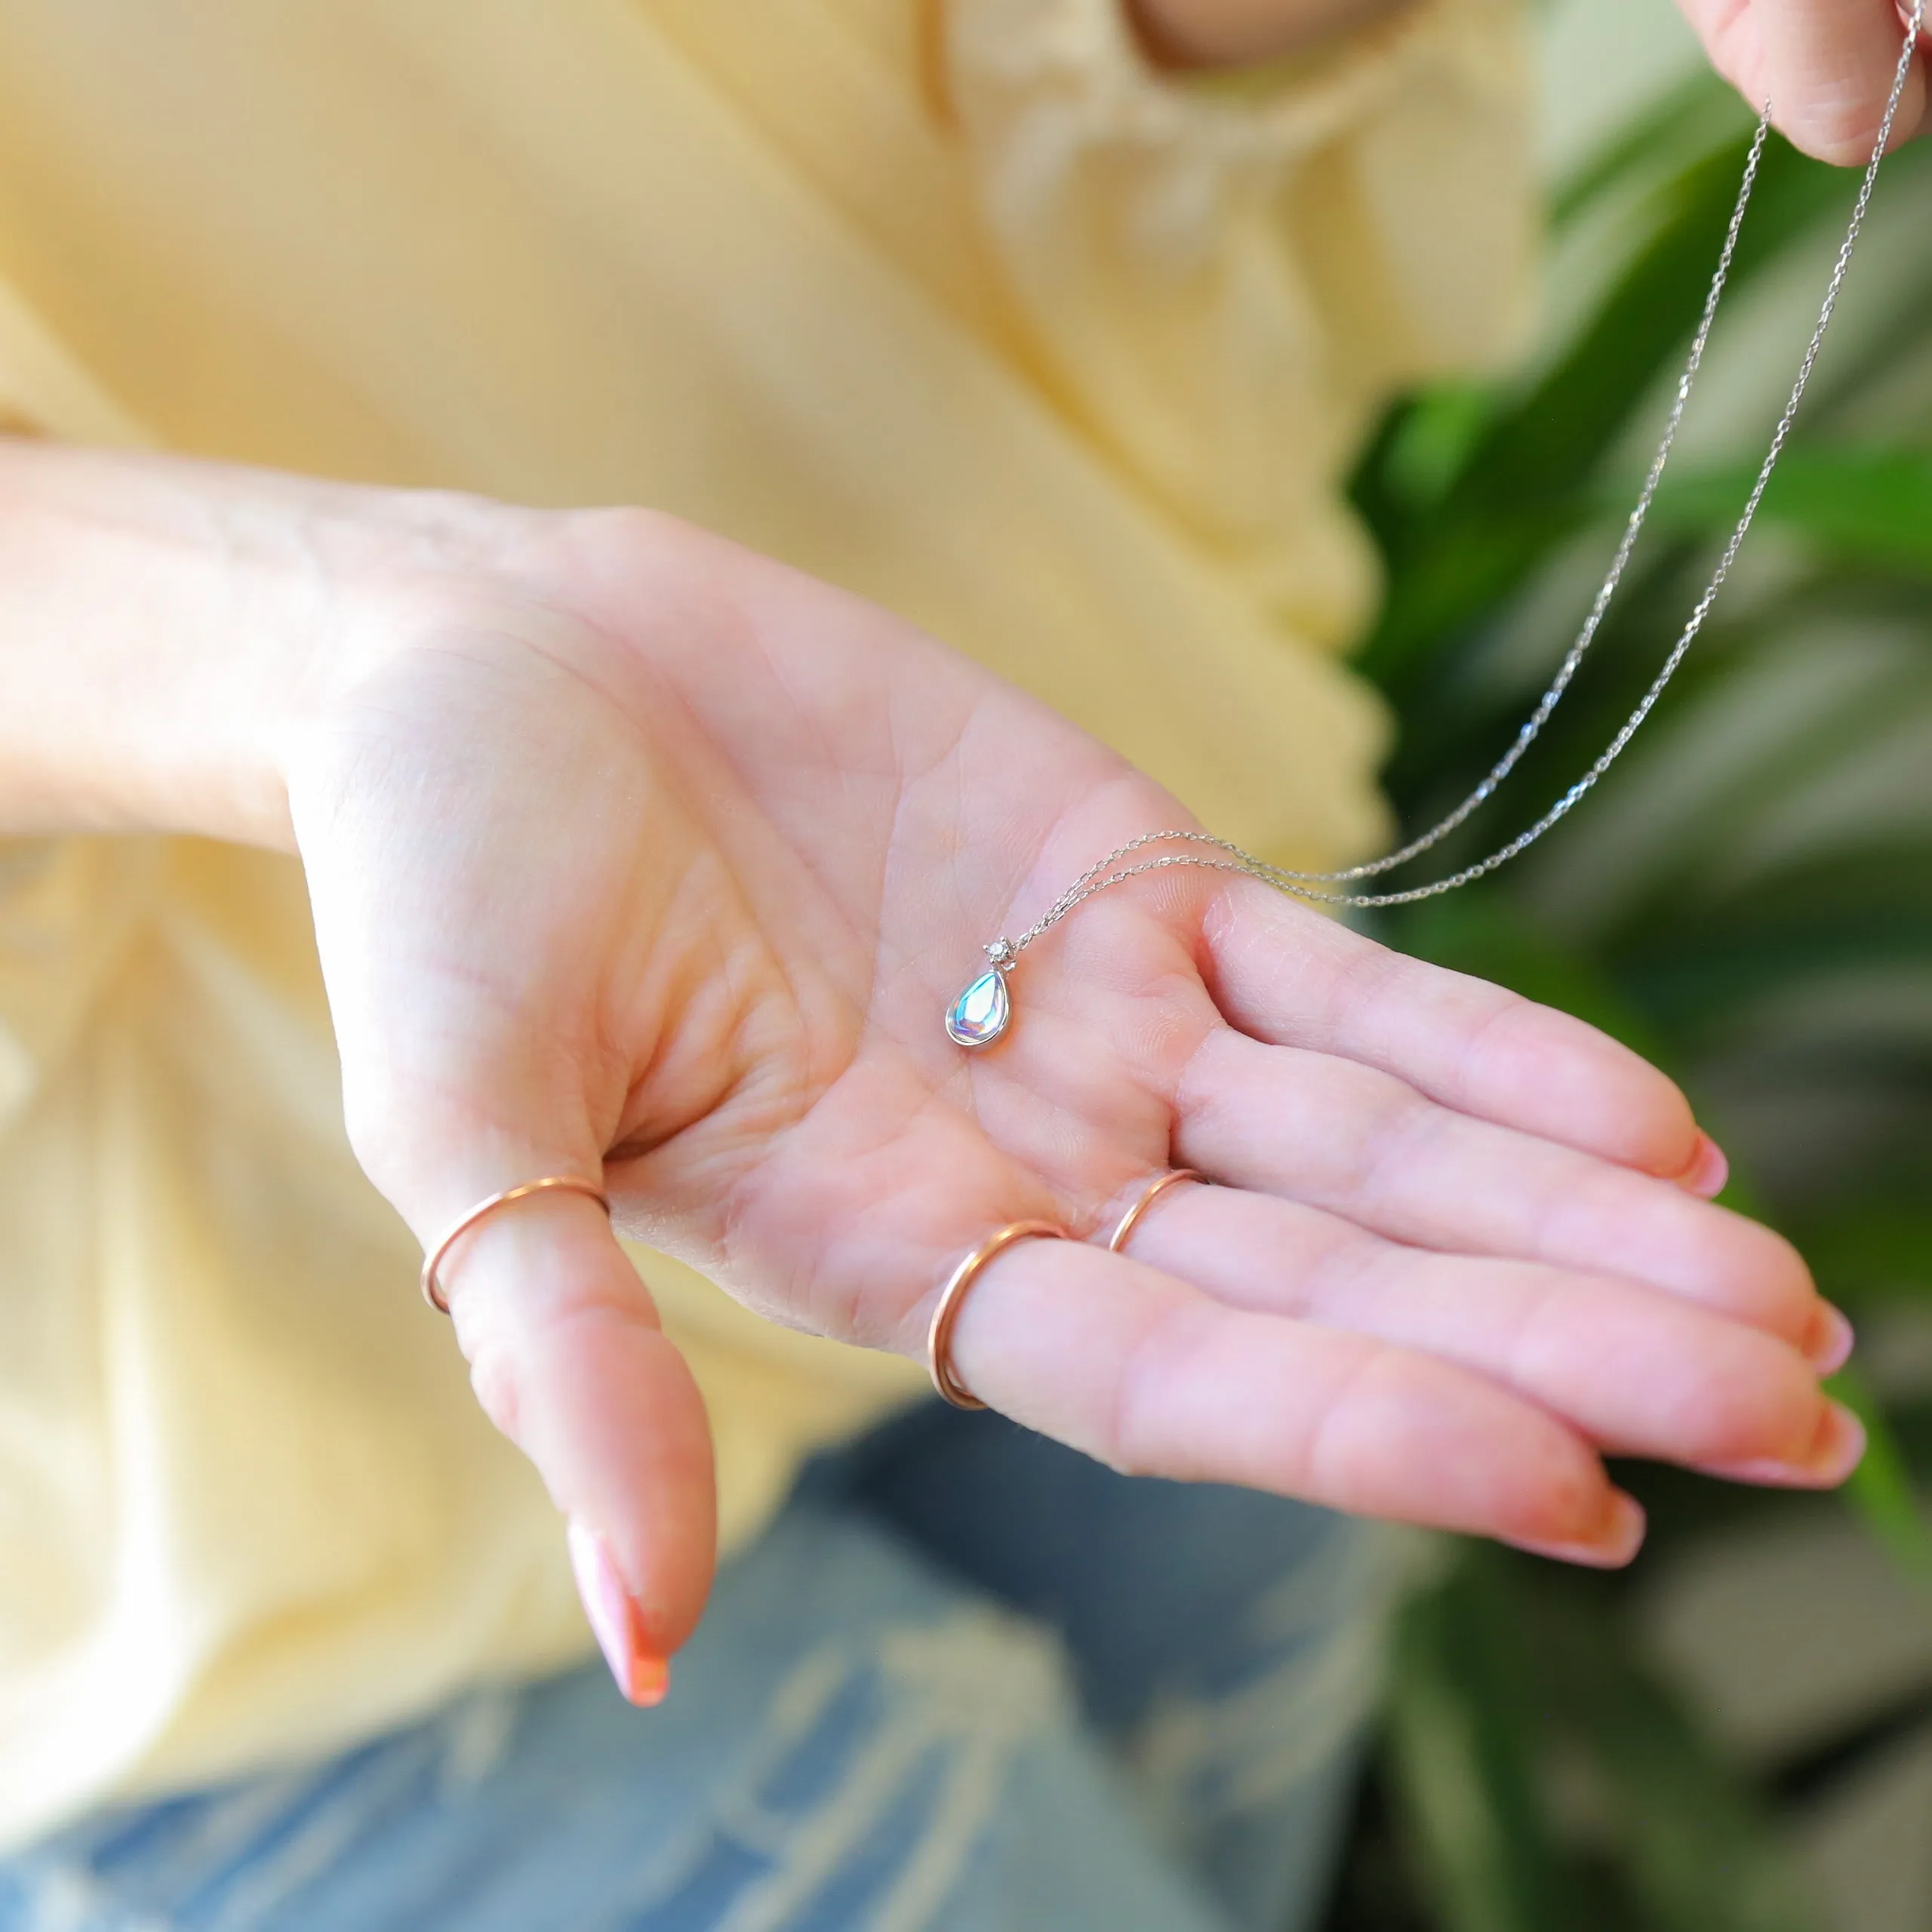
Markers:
point(1747, 900)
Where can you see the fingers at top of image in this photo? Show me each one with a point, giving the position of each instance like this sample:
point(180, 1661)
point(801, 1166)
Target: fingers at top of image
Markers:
point(1285, 976)
point(1153, 1377)
point(1637, 1371)
point(1361, 1143)
point(1825, 66)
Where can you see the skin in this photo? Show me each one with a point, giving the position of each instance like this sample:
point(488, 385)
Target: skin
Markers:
point(632, 852)
point(1826, 65)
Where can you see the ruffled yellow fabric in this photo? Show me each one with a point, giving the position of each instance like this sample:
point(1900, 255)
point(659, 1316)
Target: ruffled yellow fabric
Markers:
point(962, 307)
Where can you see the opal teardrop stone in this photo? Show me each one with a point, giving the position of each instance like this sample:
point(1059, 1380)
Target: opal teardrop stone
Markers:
point(980, 1014)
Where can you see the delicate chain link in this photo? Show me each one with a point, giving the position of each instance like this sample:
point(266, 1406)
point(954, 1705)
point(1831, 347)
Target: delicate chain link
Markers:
point(1098, 877)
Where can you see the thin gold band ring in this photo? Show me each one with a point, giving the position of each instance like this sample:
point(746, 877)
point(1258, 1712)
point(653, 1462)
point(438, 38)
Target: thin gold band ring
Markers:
point(549, 1184)
point(952, 1298)
point(1144, 1200)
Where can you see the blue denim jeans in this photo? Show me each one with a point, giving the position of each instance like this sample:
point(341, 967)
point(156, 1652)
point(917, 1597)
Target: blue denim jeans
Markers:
point(970, 1681)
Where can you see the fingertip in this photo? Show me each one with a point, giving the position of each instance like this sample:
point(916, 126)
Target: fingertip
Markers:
point(1830, 1341)
point(1842, 1442)
point(1837, 1447)
point(1612, 1543)
point(616, 1620)
point(650, 1682)
point(1829, 76)
point(1709, 1172)
point(569, 1357)
point(630, 1440)
point(1737, 1267)
point(1578, 1085)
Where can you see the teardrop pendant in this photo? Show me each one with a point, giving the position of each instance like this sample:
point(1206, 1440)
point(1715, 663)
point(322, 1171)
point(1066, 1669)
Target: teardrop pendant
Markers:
point(982, 1013)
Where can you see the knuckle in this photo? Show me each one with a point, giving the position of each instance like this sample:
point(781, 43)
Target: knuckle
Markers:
point(1536, 1316)
point(627, 531)
point(1392, 1431)
point(1126, 1443)
point(1369, 979)
point(1497, 1027)
point(1137, 1438)
point(376, 1138)
point(1394, 1124)
point(493, 1380)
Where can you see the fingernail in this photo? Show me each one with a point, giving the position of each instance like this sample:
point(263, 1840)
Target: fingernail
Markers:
point(650, 1681)
point(1836, 1450)
point(1829, 1340)
point(642, 1676)
point(1708, 1170)
point(1612, 1546)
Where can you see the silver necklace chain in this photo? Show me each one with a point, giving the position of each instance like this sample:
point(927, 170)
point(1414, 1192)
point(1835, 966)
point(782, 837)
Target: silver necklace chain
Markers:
point(1109, 871)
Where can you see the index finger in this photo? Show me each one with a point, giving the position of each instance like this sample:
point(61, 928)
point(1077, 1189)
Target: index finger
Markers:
point(1289, 977)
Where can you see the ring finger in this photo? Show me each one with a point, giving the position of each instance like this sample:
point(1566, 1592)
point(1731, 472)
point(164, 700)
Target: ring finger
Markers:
point(1333, 1134)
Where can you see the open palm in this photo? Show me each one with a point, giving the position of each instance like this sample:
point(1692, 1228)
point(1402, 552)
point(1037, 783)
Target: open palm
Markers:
point(645, 858)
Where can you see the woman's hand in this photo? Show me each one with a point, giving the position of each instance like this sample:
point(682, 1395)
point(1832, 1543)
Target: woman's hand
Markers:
point(632, 853)
point(1826, 67)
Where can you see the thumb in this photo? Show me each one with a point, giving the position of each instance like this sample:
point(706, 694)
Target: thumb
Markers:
point(474, 895)
point(568, 1359)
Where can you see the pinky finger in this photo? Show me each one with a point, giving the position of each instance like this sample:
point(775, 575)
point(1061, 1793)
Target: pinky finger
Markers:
point(1154, 1378)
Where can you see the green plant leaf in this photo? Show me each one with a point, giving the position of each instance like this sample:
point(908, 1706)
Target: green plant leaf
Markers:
point(1699, 1848)
point(1553, 1783)
point(1487, 934)
point(1858, 505)
point(1871, 1249)
point(1525, 484)
point(1696, 115)
point(1549, 1781)
point(1463, 1741)
point(1881, 1489)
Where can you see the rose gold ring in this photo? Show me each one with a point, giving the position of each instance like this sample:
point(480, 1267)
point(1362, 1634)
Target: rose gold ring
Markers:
point(952, 1298)
point(1144, 1200)
point(549, 1184)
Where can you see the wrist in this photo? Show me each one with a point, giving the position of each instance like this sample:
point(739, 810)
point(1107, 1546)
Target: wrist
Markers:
point(169, 629)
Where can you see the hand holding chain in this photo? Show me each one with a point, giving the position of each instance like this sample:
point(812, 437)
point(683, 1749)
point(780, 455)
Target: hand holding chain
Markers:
point(984, 1010)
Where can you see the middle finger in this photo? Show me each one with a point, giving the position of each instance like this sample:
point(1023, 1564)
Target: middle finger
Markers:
point(1361, 1144)
point(1636, 1371)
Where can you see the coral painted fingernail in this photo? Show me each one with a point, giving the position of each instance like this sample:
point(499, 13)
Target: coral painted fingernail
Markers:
point(642, 1676)
point(1708, 1170)
point(1830, 1341)
point(1614, 1543)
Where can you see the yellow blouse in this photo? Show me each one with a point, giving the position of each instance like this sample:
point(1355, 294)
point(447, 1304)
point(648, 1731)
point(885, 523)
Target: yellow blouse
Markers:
point(959, 307)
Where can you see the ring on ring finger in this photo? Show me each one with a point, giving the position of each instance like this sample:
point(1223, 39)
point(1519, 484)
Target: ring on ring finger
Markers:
point(1144, 1200)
